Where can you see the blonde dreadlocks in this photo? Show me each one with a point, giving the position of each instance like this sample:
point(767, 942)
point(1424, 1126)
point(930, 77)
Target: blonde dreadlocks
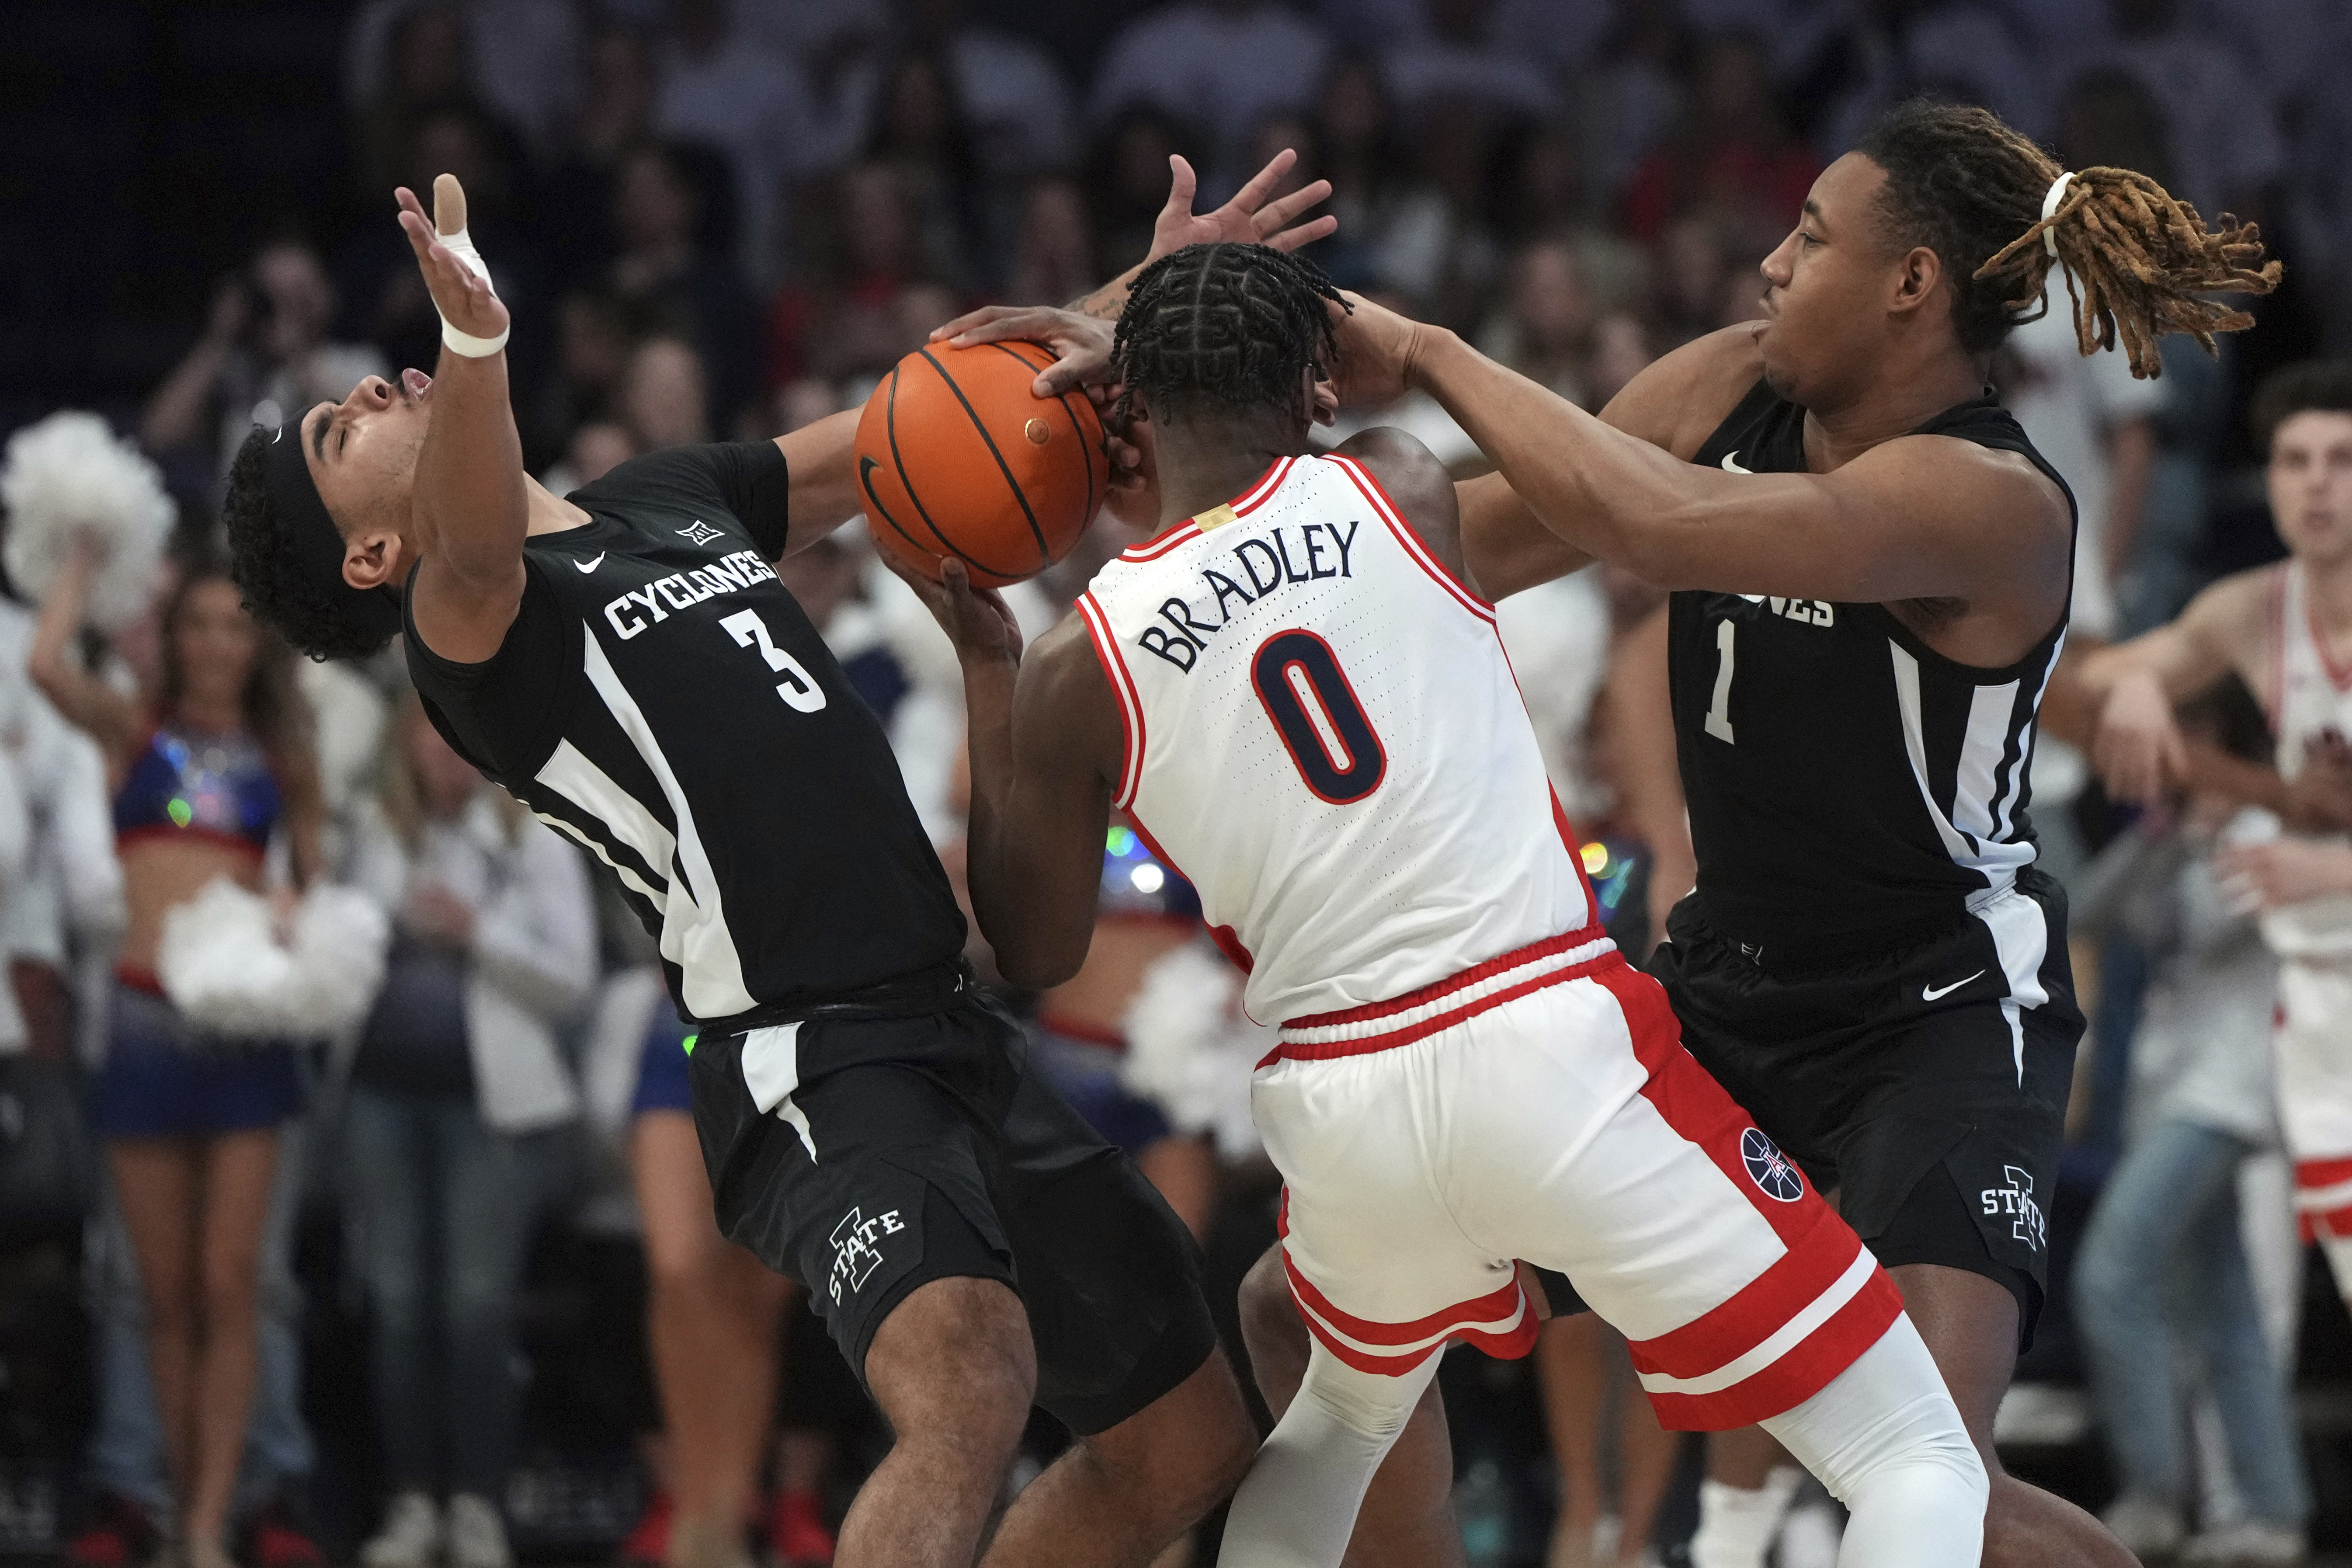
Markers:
point(2137, 259)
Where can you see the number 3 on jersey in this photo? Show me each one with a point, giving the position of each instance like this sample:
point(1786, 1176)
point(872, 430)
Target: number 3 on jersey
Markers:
point(1718, 708)
point(798, 687)
point(1328, 734)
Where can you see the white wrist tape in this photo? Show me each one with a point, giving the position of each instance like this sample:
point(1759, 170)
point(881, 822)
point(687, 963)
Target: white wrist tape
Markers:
point(461, 245)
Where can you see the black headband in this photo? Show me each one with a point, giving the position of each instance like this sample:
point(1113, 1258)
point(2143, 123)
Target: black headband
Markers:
point(316, 544)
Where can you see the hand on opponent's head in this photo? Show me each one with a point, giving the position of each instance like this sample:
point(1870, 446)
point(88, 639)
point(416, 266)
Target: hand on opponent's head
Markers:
point(977, 620)
point(1377, 348)
point(466, 300)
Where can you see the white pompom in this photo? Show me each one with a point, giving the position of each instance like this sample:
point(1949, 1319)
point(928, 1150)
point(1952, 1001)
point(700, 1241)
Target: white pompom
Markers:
point(1190, 1049)
point(68, 475)
point(223, 967)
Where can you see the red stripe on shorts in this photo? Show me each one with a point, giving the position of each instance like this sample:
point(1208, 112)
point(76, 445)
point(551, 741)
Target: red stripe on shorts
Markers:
point(1820, 1247)
point(1419, 1339)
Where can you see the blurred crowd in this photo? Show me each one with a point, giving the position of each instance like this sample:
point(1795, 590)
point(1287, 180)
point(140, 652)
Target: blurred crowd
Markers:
point(722, 219)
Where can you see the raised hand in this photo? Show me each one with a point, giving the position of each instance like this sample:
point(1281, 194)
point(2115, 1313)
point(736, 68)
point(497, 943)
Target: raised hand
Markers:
point(465, 301)
point(1250, 218)
point(1081, 344)
point(1377, 348)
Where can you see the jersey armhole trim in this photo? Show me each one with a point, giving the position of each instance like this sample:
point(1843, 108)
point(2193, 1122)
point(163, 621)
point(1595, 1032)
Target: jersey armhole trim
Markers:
point(1130, 703)
point(1386, 509)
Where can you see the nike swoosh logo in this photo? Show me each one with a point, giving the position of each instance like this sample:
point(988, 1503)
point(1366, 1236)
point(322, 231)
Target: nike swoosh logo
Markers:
point(1929, 992)
point(591, 565)
point(1731, 466)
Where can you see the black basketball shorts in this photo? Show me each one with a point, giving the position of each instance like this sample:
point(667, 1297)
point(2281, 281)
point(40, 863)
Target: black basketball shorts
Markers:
point(893, 1151)
point(1925, 1086)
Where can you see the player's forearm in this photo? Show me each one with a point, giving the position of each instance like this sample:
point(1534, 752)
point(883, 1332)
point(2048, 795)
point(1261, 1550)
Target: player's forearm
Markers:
point(1505, 544)
point(1607, 494)
point(822, 463)
point(1106, 302)
point(470, 497)
point(1001, 868)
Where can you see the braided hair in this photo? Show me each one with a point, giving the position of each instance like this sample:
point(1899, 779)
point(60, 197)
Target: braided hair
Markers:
point(1967, 186)
point(1226, 325)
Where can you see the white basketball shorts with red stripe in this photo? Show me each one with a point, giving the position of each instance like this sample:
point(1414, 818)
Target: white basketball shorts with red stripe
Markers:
point(1541, 1106)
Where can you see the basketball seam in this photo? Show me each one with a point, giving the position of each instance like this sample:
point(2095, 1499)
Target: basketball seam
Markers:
point(1043, 556)
point(890, 421)
point(1075, 429)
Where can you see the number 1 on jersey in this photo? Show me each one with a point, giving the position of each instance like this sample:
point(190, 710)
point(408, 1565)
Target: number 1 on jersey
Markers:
point(798, 688)
point(1719, 710)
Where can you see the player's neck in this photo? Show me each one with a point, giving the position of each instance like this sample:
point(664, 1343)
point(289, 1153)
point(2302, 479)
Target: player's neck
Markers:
point(1903, 394)
point(1204, 465)
point(549, 513)
point(2328, 589)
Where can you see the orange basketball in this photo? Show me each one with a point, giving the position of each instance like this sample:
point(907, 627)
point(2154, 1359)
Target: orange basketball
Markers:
point(957, 457)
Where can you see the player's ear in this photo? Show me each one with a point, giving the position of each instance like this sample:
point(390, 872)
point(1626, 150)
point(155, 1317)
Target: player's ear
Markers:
point(375, 557)
point(1322, 401)
point(1917, 273)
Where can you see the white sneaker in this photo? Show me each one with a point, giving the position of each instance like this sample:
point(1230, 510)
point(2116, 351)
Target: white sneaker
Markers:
point(411, 1536)
point(2247, 1544)
point(2148, 1527)
point(478, 1536)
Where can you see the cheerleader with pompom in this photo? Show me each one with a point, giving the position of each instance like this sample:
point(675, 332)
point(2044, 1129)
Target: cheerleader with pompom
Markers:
point(205, 774)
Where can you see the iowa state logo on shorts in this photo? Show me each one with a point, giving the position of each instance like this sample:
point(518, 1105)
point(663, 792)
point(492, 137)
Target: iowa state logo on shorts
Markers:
point(1768, 1168)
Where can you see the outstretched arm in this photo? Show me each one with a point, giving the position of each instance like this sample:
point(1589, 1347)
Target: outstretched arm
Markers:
point(2132, 687)
point(1917, 516)
point(1045, 748)
point(469, 503)
point(820, 465)
point(89, 704)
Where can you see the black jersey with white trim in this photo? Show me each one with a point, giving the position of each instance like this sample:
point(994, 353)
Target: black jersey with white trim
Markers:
point(661, 699)
point(1847, 783)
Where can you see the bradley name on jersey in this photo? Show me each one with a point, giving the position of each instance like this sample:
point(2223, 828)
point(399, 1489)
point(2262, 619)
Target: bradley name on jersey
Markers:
point(1270, 562)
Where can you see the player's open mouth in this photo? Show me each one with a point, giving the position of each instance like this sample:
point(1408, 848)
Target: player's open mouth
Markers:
point(416, 383)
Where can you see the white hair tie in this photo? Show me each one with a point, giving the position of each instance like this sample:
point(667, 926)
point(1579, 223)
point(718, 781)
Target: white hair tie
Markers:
point(2049, 206)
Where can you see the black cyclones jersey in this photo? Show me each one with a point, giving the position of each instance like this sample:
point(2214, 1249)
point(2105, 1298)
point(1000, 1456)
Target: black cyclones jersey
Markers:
point(1848, 785)
point(662, 700)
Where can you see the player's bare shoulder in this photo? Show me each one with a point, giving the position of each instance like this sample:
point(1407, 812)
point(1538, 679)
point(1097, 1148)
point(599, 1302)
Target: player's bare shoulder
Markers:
point(1416, 483)
point(1679, 399)
point(1064, 703)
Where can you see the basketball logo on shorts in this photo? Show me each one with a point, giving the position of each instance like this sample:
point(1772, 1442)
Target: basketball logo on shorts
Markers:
point(1768, 1168)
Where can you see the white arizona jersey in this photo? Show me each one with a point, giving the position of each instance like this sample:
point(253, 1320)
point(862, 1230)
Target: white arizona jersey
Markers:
point(2310, 697)
point(1323, 733)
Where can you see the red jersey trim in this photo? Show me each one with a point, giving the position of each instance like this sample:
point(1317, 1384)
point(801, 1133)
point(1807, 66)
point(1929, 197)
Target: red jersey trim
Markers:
point(157, 831)
point(2322, 1173)
point(1130, 703)
point(1406, 1033)
point(1405, 536)
point(1177, 533)
point(2338, 676)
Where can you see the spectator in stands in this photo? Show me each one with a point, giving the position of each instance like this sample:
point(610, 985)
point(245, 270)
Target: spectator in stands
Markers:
point(2087, 414)
point(872, 292)
point(1054, 248)
point(1732, 153)
point(517, 58)
point(1017, 106)
point(2225, 144)
point(1874, 54)
point(723, 86)
point(1558, 291)
point(664, 269)
point(218, 766)
point(2161, 1281)
point(1220, 66)
point(264, 355)
point(662, 401)
point(1127, 180)
point(1394, 228)
point(1459, 54)
point(614, 118)
point(593, 339)
point(456, 1073)
point(1632, 95)
point(921, 133)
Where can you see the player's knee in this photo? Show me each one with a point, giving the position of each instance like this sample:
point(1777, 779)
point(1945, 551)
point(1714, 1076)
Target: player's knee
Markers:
point(953, 1367)
point(1271, 1326)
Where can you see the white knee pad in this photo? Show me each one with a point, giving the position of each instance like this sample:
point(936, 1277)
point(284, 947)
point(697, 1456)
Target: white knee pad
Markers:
point(1887, 1439)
